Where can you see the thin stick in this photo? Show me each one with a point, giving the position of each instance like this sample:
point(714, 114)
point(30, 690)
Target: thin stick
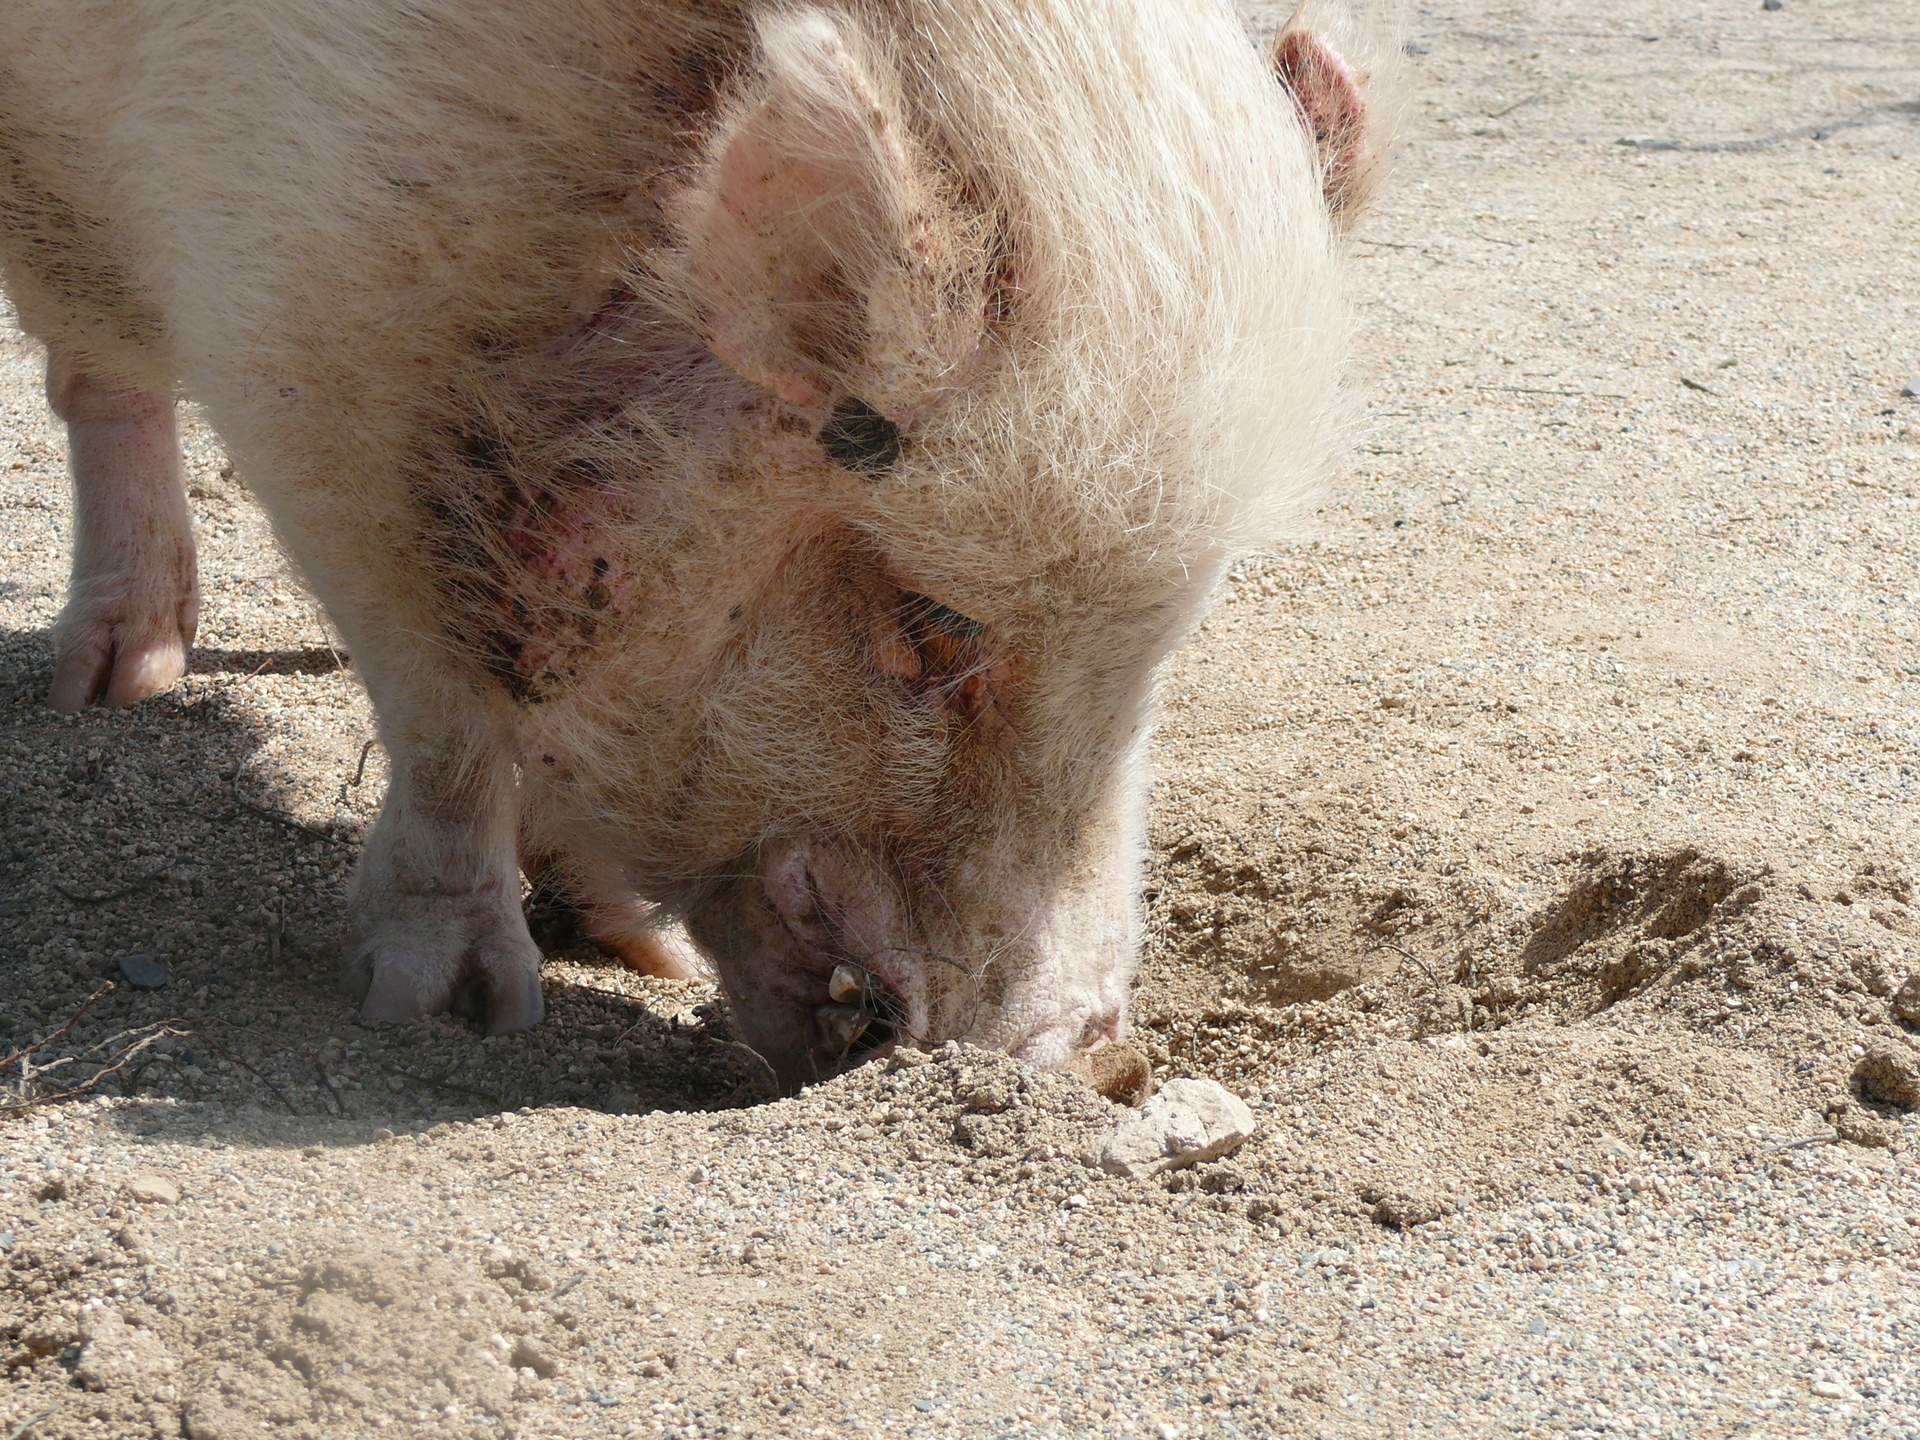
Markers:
point(105, 987)
point(101, 897)
point(19, 1431)
point(185, 1079)
point(225, 1055)
point(772, 1075)
point(360, 770)
point(1502, 114)
point(1408, 954)
point(326, 1085)
point(491, 1099)
point(268, 813)
point(1535, 390)
point(121, 1061)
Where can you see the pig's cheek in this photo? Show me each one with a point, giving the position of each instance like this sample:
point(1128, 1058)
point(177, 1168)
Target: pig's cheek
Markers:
point(851, 888)
point(785, 871)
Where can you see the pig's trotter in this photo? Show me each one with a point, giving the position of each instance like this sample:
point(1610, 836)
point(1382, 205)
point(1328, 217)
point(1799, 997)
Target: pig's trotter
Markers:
point(438, 923)
point(135, 596)
point(450, 954)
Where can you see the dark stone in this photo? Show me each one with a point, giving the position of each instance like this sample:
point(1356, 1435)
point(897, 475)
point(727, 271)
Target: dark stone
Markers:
point(143, 972)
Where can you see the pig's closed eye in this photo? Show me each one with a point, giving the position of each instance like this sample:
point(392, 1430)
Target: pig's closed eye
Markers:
point(923, 618)
point(861, 438)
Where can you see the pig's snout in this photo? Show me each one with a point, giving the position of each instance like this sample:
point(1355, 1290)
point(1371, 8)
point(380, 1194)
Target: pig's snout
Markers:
point(1056, 1042)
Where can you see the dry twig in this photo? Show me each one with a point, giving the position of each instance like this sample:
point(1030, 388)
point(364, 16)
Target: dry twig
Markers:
point(1409, 955)
point(267, 812)
point(101, 897)
point(487, 1096)
point(106, 987)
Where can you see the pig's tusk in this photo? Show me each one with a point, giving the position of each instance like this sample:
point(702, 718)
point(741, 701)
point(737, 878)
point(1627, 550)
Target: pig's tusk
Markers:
point(847, 984)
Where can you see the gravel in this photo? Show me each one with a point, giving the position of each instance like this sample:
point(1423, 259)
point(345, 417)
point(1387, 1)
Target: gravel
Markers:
point(1533, 855)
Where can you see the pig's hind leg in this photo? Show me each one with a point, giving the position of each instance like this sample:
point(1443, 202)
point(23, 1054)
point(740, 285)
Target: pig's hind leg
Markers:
point(134, 597)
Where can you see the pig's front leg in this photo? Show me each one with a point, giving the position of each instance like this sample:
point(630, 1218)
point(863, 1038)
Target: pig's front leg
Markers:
point(135, 595)
point(436, 901)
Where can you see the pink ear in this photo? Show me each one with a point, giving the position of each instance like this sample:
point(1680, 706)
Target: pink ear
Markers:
point(1334, 103)
point(822, 259)
point(799, 181)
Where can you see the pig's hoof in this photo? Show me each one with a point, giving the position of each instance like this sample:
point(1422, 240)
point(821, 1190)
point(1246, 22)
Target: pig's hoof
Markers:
point(408, 971)
point(121, 653)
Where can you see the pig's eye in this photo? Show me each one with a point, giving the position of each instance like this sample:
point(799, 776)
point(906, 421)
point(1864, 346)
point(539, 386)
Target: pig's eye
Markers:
point(923, 618)
point(861, 438)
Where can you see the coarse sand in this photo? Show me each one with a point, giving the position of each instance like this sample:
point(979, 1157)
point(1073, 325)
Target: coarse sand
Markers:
point(1534, 849)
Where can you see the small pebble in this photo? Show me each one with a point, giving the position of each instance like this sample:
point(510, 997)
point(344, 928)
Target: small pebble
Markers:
point(143, 972)
point(154, 1189)
point(528, 1356)
point(1911, 390)
point(1890, 1073)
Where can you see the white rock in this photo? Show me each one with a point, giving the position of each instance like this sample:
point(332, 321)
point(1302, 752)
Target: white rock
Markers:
point(1188, 1122)
point(154, 1189)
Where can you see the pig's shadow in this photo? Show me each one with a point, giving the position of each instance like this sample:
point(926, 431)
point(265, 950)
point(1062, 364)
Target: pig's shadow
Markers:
point(122, 834)
point(311, 660)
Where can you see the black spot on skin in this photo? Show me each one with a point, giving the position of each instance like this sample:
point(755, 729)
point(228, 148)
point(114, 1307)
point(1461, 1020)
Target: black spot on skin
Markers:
point(600, 567)
point(861, 438)
point(734, 613)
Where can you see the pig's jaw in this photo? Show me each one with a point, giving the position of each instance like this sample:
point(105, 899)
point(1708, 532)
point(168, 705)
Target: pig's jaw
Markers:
point(799, 936)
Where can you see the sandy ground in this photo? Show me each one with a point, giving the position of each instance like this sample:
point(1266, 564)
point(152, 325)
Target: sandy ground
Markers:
point(1534, 849)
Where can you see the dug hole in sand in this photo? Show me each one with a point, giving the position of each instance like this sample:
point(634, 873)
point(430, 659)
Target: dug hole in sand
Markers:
point(1533, 853)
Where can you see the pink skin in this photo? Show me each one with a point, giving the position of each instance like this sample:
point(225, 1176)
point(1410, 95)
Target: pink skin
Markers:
point(134, 598)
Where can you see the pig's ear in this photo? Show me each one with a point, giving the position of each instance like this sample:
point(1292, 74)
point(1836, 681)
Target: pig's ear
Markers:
point(1332, 89)
point(822, 257)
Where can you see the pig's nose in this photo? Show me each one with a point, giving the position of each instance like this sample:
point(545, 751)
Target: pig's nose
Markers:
point(1055, 1042)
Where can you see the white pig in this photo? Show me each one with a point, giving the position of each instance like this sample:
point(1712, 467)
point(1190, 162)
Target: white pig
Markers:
point(758, 453)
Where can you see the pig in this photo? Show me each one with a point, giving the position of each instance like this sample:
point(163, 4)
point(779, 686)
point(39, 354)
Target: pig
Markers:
point(758, 455)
